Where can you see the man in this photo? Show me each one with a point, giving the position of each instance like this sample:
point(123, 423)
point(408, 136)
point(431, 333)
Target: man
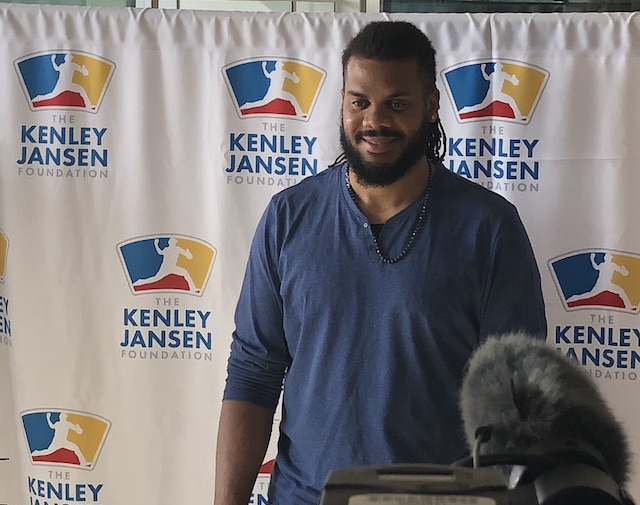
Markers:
point(367, 289)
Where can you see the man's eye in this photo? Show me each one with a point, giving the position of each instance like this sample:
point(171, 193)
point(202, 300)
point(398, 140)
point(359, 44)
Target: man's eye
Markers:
point(398, 105)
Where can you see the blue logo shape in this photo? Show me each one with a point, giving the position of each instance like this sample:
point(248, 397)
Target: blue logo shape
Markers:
point(64, 437)
point(64, 79)
point(274, 87)
point(167, 263)
point(598, 279)
point(495, 89)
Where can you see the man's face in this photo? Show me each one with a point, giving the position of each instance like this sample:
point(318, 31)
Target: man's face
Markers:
point(385, 119)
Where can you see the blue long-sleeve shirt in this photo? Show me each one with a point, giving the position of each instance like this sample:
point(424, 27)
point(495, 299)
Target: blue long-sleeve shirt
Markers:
point(372, 354)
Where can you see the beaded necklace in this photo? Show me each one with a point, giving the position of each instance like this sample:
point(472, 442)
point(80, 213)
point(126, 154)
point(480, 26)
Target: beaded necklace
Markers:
point(416, 229)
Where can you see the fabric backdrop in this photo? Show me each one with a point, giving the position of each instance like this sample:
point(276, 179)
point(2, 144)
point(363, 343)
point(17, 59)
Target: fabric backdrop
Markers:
point(138, 149)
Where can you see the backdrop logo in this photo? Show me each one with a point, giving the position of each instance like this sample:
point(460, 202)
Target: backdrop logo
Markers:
point(4, 253)
point(598, 279)
point(261, 485)
point(274, 87)
point(495, 89)
point(60, 79)
point(64, 437)
point(167, 263)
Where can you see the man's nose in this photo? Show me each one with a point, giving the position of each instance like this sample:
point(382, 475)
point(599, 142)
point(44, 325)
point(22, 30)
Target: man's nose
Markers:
point(377, 117)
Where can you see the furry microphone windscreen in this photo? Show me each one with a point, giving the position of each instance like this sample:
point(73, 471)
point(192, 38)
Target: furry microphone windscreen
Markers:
point(530, 393)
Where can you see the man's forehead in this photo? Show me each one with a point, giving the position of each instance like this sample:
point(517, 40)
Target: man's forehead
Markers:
point(398, 76)
point(355, 61)
point(372, 68)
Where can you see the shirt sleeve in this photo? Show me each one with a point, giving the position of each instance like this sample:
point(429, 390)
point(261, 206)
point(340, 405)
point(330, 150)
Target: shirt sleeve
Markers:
point(513, 300)
point(259, 355)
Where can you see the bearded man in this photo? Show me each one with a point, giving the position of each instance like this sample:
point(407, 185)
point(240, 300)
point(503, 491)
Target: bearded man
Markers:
point(367, 289)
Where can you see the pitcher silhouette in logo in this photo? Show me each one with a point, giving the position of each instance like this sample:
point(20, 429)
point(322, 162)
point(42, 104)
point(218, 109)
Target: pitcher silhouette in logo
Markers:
point(65, 79)
point(66, 71)
point(61, 440)
point(64, 437)
point(502, 90)
point(276, 89)
point(598, 279)
point(605, 282)
point(495, 92)
point(169, 265)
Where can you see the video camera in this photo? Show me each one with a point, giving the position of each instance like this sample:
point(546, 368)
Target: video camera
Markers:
point(566, 472)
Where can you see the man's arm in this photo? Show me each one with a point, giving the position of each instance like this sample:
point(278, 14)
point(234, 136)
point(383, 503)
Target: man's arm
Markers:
point(243, 437)
point(513, 299)
point(257, 364)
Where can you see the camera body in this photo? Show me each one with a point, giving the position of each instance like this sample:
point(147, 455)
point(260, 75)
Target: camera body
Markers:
point(409, 484)
point(559, 484)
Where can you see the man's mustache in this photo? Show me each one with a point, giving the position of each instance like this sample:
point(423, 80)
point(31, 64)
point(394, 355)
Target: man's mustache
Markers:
point(384, 132)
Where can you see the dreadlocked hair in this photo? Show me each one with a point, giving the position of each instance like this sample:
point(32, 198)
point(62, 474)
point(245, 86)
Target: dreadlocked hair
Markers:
point(436, 147)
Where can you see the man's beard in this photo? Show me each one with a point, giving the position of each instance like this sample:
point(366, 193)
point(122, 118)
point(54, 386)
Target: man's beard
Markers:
point(384, 174)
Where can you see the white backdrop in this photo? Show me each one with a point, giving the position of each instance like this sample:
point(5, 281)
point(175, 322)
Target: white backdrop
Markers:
point(138, 149)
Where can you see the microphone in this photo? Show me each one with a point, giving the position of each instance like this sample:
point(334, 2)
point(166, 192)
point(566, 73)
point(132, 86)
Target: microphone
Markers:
point(522, 397)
